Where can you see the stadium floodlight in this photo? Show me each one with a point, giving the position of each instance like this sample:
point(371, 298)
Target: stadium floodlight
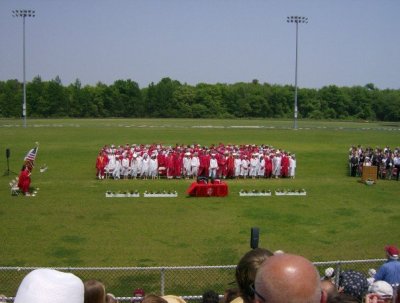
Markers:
point(297, 20)
point(23, 13)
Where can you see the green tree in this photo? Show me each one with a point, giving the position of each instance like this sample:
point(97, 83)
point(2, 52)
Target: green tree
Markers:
point(10, 99)
point(159, 99)
point(184, 99)
point(74, 93)
point(58, 101)
point(35, 92)
point(211, 97)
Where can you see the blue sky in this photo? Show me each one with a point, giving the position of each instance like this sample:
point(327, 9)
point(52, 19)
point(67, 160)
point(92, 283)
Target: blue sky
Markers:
point(345, 43)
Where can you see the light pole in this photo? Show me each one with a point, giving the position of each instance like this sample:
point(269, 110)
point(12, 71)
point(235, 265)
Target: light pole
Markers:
point(297, 20)
point(23, 13)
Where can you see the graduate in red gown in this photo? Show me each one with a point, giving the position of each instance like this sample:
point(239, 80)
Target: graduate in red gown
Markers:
point(230, 166)
point(178, 162)
point(285, 166)
point(24, 180)
point(268, 166)
point(101, 163)
point(222, 169)
point(169, 165)
point(204, 164)
point(162, 160)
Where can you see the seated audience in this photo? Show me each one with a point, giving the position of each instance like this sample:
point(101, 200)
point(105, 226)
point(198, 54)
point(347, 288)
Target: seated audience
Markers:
point(371, 274)
point(231, 294)
point(95, 292)
point(329, 274)
point(210, 297)
point(246, 272)
point(153, 299)
point(138, 295)
point(343, 298)
point(382, 290)
point(330, 289)
point(173, 299)
point(49, 286)
point(110, 298)
point(390, 270)
point(288, 278)
point(353, 283)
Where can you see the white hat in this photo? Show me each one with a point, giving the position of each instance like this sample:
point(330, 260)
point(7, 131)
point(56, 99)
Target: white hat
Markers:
point(329, 272)
point(381, 288)
point(48, 286)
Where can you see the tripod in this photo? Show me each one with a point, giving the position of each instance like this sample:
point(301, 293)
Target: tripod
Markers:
point(8, 171)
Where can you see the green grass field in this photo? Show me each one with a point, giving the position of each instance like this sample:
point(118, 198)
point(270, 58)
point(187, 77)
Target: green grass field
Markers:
point(71, 223)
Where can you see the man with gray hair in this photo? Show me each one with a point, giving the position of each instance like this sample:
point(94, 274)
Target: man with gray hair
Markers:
point(287, 278)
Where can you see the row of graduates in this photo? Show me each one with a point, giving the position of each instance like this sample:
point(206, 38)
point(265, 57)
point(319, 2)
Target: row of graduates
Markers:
point(224, 162)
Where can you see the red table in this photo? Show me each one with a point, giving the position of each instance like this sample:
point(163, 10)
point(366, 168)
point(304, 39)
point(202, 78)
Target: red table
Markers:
point(208, 189)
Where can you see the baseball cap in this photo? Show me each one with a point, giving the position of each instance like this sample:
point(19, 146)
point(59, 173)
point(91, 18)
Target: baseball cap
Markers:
point(381, 288)
point(392, 251)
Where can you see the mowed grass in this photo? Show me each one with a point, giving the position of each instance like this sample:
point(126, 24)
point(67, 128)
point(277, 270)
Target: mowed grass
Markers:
point(71, 223)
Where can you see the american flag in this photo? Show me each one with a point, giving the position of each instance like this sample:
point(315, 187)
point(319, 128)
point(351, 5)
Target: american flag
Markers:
point(31, 155)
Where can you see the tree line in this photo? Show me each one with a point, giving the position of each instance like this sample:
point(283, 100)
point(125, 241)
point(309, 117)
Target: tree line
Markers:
point(171, 99)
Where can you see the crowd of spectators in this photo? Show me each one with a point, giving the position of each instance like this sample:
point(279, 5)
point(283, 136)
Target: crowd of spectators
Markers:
point(261, 277)
point(132, 161)
point(386, 160)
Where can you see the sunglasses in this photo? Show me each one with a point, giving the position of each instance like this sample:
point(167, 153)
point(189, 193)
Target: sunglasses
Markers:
point(253, 289)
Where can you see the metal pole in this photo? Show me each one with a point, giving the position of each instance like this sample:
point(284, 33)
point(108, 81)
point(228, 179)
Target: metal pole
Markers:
point(295, 77)
point(23, 13)
point(162, 290)
point(24, 73)
point(297, 20)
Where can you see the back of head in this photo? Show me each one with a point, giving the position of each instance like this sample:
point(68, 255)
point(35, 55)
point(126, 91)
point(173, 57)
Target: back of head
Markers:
point(287, 278)
point(94, 292)
point(153, 299)
point(246, 271)
point(173, 299)
point(49, 286)
point(210, 297)
point(353, 283)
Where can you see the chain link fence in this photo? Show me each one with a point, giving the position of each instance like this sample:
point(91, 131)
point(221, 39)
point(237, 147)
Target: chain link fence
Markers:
point(186, 281)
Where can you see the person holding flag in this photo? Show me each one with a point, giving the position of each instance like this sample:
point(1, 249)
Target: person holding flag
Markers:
point(24, 178)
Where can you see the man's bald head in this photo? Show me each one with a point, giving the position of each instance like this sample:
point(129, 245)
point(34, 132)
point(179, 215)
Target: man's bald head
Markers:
point(287, 278)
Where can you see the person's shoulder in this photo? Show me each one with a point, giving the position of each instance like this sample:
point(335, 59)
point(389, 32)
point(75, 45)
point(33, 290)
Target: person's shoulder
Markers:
point(237, 300)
